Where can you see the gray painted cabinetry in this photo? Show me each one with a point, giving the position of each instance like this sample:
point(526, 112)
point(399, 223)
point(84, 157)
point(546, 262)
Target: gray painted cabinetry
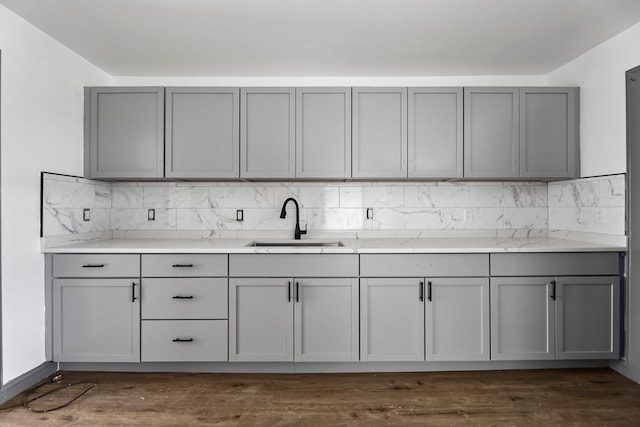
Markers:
point(267, 133)
point(124, 132)
point(433, 315)
point(435, 147)
point(379, 132)
point(184, 308)
point(520, 132)
point(264, 309)
point(560, 306)
point(202, 127)
point(96, 315)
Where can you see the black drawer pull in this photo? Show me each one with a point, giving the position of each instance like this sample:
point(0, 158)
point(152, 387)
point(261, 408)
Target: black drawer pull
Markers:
point(183, 297)
point(183, 340)
point(133, 291)
point(93, 266)
point(421, 295)
point(182, 265)
point(553, 290)
point(429, 291)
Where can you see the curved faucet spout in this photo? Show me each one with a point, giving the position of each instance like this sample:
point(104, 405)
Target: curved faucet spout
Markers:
point(283, 215)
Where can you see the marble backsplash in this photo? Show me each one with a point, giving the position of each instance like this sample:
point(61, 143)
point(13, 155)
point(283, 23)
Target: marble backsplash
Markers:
point(210, 208)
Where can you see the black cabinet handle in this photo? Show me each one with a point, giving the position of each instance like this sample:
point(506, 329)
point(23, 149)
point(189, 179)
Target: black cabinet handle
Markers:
point(183, 340)
point(183, 297)
point(421, 291)
point(429, 291)
point(182, 265)
point(93, 266)
point(133, 291)
point(289, 291)
point(297, 291)
point(553, 290)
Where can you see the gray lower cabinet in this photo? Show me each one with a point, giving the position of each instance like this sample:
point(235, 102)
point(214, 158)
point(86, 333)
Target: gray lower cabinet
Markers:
point(491, 132)
point(417, 318)
point(263, 312)
point(184, 308)
point(391, 319)
point(522, 319)
point(379, 132)
point(202, 132)
point(548, 132)
point(124, 132)
point(323, 132)
point(96, 308)
point(267, 133)
point(435, 145)
point(457, 319)
point(96, 320)
point(545, 314)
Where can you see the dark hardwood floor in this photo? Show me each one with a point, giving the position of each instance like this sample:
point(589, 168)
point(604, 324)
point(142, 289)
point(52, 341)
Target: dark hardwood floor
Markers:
point(578, 397)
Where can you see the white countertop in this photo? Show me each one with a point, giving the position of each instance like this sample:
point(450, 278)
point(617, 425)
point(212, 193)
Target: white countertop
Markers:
point(361, 246)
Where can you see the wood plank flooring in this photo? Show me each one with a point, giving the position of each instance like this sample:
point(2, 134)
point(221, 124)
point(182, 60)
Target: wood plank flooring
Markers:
point(573, 397)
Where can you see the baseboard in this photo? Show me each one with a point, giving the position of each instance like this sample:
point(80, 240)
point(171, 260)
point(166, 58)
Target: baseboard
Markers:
point(26, 380)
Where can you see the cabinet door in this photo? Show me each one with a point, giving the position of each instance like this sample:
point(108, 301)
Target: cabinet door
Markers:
point(457, 319)
point(379, 132)
point(96, 320)
point(588, 317)
point(326, 320)
point(202, 133)
point(491, 147)
point(435, 133)
point(548, 132)
point(260, 320)
point(125, 132)
point(267, 133)
point(391, 320)
point(522, 318)
point(323, 133)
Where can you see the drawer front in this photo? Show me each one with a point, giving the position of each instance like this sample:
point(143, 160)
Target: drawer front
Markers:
point(555, 264)
point(184, 341)
point(184, 265)
point(184, 298)
point(295, 265)
point(96, 265)
point(424, 265)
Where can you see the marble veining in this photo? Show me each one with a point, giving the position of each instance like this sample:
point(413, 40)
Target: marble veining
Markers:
point(592, 205)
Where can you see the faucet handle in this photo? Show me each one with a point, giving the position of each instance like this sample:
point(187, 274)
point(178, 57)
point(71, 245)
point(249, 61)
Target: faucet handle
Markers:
point(305, 229)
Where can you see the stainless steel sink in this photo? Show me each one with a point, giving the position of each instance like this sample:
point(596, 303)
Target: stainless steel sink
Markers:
point(296, 243)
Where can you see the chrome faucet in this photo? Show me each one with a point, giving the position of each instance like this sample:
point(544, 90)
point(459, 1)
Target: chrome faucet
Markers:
point(283, 215)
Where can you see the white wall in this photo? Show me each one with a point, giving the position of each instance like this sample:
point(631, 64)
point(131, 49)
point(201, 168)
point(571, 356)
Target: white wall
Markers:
point(600, 73)
point(42, 119)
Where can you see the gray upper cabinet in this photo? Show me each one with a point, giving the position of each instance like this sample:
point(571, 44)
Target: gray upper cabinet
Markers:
point(124, 135)
point(491, 132)
point(435, 133)
point(548, 132)
point(202, 130)
point(267, 133)
point(323, 132)
point(379, 132)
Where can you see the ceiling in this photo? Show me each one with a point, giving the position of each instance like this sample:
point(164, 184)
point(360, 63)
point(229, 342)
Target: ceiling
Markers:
point(328, 37)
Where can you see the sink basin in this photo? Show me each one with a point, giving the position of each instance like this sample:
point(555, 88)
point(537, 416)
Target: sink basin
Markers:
point(296, 243)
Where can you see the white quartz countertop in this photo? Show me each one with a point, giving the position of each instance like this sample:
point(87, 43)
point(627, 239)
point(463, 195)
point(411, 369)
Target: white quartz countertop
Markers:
point(361, 245)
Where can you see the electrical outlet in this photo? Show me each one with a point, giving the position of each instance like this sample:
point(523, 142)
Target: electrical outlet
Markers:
point(369, 213)
point(86, 215)
point(151, 215)
point(239, 215)
point(467, 215)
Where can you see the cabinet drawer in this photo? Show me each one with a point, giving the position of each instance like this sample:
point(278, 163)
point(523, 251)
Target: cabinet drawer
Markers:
point(184, 265)
point(184, 298)
point(424, 265)
point(298, 265)
point(555, 264)
point(96, 265)
point(184, 341)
